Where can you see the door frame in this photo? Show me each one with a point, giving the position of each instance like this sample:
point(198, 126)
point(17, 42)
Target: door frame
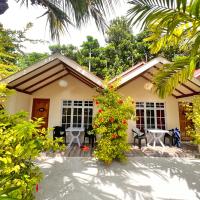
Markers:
point(33, 104)
point(184, 137)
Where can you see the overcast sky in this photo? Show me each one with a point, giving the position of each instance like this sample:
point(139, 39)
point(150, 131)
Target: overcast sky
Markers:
point(16, 18)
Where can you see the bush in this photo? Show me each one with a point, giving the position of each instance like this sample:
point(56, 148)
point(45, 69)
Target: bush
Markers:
point(21, 142)
point(193, 114)
point(110, 123)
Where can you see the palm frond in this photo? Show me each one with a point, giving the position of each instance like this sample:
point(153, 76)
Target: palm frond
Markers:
point(57, 19)
point(173, 74)
point(172, 23)
point(77, 12)
point(194, 8)
point(99, 19)
point(147, 11)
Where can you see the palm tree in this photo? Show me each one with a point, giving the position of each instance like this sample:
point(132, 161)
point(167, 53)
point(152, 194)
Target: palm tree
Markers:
point(171, 22)
point(3, 6)
point(62, 13)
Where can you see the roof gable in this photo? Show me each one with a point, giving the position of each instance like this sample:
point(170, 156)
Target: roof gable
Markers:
point(47, 71)
point(138, 70)
point(148, 70)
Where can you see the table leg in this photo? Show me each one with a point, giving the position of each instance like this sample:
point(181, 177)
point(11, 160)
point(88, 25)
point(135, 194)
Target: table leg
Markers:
point(151, 139)
point(156, 138)
point(161, 142)
point(154, 142)
point(78, 141)
point(71, 141)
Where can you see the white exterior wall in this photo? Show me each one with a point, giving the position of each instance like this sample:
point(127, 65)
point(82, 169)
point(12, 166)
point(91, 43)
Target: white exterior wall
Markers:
point(135, 89)
point(75, 90)
point(19, 102)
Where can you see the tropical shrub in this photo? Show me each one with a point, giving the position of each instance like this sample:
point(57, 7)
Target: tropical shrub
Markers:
point(110, 123)
point(21, 142)
point(193, 114)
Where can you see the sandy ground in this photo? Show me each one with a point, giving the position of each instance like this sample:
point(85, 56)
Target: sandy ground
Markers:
point(139, 178)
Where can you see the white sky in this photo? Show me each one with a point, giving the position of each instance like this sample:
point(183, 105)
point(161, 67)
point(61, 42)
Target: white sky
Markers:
point(16, 18)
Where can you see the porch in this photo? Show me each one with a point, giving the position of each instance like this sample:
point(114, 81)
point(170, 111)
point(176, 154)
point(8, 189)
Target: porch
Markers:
point(187, 150)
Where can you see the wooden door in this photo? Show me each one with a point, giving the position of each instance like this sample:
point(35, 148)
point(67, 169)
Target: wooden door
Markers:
point(184, 122)
point(41, 110)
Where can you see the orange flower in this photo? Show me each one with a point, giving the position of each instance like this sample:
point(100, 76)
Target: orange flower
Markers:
point(97, 103)
point(124, 122)
point(112, 119)
point(101, 119)
point(114, 136)
point(100, 110)
point(120, 101)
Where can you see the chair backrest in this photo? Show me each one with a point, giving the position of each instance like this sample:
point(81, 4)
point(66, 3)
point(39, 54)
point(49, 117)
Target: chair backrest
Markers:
point(136, 131)
point(57, 131)
point(87, 129)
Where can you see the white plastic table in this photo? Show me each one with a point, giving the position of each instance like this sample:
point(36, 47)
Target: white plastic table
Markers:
point(75, 133)
point(156, 135)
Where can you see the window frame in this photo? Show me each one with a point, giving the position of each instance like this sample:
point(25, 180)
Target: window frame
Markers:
point(90, 105)
point(143, 105)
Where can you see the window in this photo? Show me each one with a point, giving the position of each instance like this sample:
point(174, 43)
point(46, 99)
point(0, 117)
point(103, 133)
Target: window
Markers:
point(150, 115)
point(77, 113)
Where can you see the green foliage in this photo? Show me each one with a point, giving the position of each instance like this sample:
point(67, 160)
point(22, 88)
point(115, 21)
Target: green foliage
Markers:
point(121, 51)
point(110, 123)
point(173, 24)
point(91, 51)
point(118, 30)
point(21, 140)
point(4, 93)
point(29, 59)
point(193, 114)
point(7, 53)
point(11, 45)
point(167, 79)
point(21, 143)
point(69, 51)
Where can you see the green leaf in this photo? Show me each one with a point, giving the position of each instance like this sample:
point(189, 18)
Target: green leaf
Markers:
point(6, 191)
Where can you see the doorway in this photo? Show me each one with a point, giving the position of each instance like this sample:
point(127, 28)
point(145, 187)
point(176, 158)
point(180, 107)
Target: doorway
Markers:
point(40, 109)
point(184, 122)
